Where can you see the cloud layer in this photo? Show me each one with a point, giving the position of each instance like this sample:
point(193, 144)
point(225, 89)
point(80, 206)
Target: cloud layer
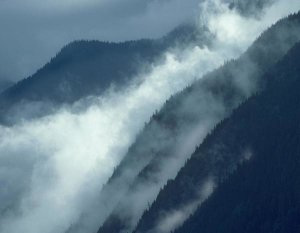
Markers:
point(233, 34)
point(52, 169)
point(61, 161)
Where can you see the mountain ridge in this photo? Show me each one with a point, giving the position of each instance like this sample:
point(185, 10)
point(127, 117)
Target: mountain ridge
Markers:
point(222, 84)
point(88, 68)
point(274, 165)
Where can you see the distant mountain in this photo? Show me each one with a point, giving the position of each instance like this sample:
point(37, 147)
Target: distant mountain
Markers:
point(89, 68)
point(262, 195)
point(155, 157)
point(4, 84)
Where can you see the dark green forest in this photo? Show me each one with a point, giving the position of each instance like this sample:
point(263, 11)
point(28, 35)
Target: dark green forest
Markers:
point(197, 131)
point(88, 68)
point(222, 86)
point(262, 195)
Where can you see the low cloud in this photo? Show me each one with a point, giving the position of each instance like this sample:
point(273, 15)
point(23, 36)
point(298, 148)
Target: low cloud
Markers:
point(175, 218)
point(67, 157)
point(225, 47)
point(233, 34)
point(52, 169)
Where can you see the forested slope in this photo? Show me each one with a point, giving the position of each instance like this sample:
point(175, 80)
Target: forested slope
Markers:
point(262, 195)
point(189, 116)
point(88, 68)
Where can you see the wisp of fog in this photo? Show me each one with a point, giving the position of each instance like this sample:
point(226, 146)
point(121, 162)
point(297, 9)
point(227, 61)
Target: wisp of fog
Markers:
point(51, 169)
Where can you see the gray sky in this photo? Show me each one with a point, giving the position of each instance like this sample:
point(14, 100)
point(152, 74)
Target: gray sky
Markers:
point(33, 31)
point(57, 163)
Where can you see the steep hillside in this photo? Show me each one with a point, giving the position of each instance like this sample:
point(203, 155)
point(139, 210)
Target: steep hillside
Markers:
point(262, 195)
point(173, 133)
point(88, 68)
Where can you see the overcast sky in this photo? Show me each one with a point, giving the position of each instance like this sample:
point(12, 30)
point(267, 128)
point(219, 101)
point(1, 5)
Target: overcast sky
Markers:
point(33, 31)
point(56, 163)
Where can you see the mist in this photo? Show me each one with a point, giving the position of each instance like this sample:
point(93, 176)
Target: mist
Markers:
point(52, 169)
point(33, 31)
point(60, 162)
point(230, 27)
point(177, 217)
point(234, 33)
